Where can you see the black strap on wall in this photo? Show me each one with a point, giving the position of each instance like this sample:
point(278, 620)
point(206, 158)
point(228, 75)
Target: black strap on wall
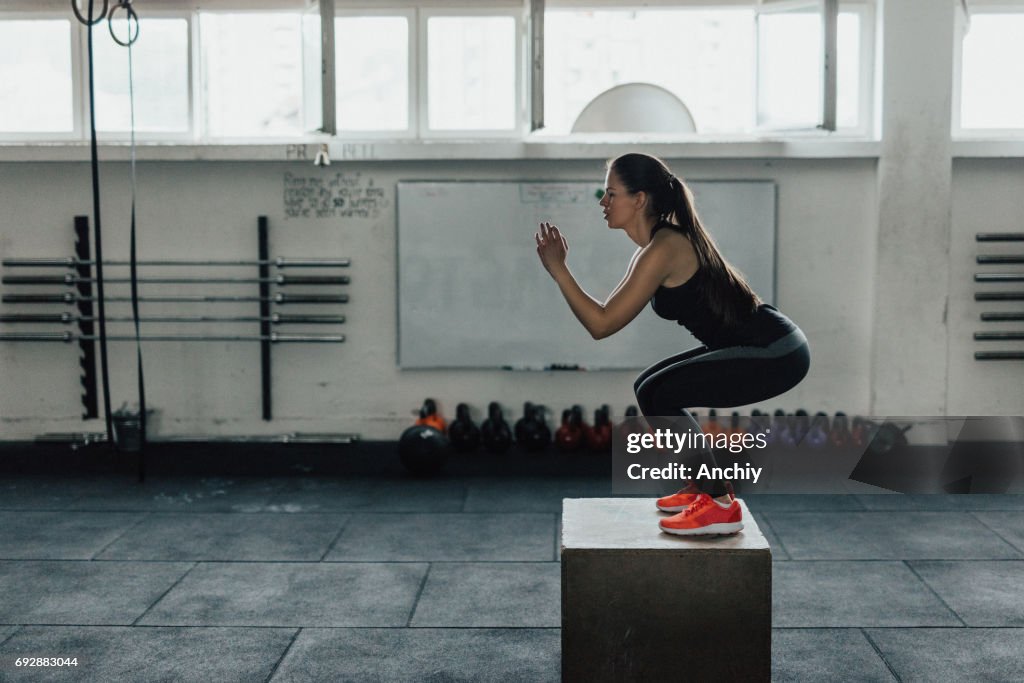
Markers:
point(90, 20)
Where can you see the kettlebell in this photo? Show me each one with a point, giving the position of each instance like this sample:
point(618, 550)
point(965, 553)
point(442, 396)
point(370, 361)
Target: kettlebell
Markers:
point(817, 433)
point(494, 432)
point(568, 435)
point(429, 417)
point(734, 424)
point(532, 433)
point(464, 435)
point(599, 436)
point(839, 435)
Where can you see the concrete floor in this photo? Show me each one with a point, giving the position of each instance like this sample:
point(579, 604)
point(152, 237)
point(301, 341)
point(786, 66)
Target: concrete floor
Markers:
point(384, 578)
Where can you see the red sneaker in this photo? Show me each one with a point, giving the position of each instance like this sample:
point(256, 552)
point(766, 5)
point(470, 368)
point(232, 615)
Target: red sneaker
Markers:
point(680, 500)
point(705, 516)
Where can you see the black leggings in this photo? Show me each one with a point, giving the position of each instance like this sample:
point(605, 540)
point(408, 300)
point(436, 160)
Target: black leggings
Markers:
point(724, 378)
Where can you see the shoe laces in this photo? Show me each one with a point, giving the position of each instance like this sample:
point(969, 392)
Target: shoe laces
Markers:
point(699, 504)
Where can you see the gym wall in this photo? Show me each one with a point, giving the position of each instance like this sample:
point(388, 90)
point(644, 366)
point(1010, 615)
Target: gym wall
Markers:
point(207, 210)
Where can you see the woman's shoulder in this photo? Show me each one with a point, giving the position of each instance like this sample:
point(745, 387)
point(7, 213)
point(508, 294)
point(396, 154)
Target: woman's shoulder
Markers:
point(670, 234)
point(677, 255)
point(671, 241)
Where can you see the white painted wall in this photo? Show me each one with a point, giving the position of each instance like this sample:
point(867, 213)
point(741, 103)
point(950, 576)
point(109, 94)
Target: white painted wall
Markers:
point(208, 210)
point(987, 197)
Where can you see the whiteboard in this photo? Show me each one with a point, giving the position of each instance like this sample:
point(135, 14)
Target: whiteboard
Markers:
point(472, 292)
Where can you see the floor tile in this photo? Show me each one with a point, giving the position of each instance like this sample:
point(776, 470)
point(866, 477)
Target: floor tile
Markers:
point(60, 535)
point(779, 553)
point(480, 594)
point(465, 537)
point(884, 536)
point(981, 593)
point(176, 494)
point(148, 654)
point(232, 536)
point(926, 655)
point(531, 494)
point(418, 495)
point(38, 493)
point(313, 594)
point(823, 654)
point(801, 502)
point(7, 631)
point(327, 494)
point(853, 594)
point(943, 502)
point(109, 593)
point(558, 537)
point(1009, 525)
point(418, 655)
point(368, 494)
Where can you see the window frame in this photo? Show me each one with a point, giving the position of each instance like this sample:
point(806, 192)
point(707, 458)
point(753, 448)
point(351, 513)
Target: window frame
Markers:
point(961, 22)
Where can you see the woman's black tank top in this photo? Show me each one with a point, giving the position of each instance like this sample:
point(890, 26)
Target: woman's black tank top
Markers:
point(688, 306)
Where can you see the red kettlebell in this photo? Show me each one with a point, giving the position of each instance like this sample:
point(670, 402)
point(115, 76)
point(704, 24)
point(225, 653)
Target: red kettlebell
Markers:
point(429, 417)
point(569, 434)
point(599, 437)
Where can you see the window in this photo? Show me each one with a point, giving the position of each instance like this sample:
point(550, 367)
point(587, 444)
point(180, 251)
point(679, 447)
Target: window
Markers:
point(160, 60)
point(471, 73)
point(371, 67)
point(36, 72)
point(991, 71)
point(252, 74)
point(704, 57)
point(790, 79)
point(736, 68)
point(253, 70)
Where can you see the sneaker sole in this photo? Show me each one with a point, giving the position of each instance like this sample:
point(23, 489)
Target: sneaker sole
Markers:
point(710, 530)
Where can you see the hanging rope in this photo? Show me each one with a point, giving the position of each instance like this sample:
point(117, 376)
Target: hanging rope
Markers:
point(130, 15)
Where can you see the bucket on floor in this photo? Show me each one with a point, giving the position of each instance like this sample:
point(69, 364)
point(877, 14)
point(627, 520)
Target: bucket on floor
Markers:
point(128, 429)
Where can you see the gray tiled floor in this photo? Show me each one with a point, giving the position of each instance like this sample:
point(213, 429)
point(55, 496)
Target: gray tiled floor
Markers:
point(458, 579)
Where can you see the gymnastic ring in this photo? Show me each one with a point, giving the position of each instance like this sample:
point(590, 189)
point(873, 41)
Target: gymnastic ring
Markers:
point(90, 22)
point(129, 15)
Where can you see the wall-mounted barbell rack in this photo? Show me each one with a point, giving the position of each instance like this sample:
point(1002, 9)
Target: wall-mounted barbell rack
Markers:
point(1011, 295)
point(81, 280)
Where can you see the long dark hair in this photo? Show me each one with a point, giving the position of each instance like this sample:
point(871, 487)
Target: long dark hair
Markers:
point(729, 296)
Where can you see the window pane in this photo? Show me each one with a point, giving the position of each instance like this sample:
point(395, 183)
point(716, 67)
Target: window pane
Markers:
point(704, 57)
point(848, 75)
point(992, 72)
point(789, 69)
point(312, 73)
point(789, 90)
point(252, 74)
point(471, 73)
point(372, 68)
point(160, 69)
point(35, 70)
